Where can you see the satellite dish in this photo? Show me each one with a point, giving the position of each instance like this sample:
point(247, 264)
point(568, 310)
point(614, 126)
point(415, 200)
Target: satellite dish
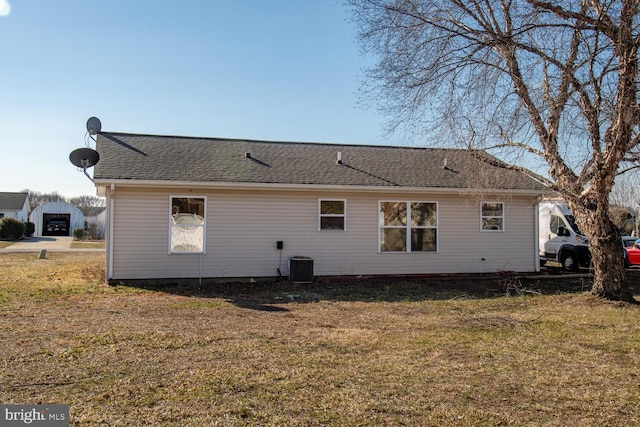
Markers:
point(84, 157)
point(94, 126)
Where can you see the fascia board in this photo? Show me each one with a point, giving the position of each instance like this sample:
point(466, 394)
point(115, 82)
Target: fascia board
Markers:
point(306, 187)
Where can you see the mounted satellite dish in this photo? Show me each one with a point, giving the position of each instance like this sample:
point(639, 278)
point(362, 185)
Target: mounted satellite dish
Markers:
point(94, 126)
point(84, 157)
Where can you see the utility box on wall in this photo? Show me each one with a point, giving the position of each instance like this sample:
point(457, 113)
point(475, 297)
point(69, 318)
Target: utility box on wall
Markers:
point(301, 269)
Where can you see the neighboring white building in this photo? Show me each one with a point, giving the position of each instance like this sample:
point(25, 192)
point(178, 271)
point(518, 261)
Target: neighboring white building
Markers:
point(94, 224)
point(57, 219)
point(180, 207)
point(15, 205)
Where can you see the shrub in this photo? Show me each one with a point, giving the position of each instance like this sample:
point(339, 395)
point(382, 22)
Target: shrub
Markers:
point(93, 232)
point(78, 233)
point(11, 228)
point(30, 228)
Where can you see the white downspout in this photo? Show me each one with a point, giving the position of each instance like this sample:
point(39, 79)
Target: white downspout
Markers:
point(110, 204)
point(536, 239)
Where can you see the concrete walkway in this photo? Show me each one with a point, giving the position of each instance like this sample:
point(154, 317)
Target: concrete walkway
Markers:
point(48, 243)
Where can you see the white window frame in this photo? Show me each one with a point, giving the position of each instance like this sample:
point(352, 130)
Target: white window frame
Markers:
point(408, 227)
point(502, 217)
point(171, 225)
point(321, 215)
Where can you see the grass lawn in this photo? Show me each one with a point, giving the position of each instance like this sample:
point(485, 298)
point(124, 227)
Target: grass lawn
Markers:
point(429, 353)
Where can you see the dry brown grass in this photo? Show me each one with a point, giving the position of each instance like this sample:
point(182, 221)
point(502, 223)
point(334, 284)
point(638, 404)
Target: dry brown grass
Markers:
point(87, 244)
point(360, 353)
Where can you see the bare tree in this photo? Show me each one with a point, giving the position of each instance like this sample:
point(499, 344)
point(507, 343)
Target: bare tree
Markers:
point(625, 197)
point(548, 82)
point(36, 198)
point(624, 218)
point(626, 191)
point(89, 205)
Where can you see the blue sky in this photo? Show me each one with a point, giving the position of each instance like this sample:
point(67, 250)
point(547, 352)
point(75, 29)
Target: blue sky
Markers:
point(273, 70)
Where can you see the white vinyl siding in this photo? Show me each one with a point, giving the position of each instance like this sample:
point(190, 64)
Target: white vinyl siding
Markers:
point(242, 229)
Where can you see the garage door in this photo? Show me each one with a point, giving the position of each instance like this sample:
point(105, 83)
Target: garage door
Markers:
point(56, 224)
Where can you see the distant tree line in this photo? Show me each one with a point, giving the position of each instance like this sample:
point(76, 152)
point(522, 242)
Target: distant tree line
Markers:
point(89, 205)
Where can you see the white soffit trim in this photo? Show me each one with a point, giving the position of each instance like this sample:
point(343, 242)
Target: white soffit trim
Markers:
point(307, 187)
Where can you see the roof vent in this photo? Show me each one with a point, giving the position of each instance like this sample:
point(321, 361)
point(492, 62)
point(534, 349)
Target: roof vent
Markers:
point(247, 154)
point(446, 167)
point(339, 161)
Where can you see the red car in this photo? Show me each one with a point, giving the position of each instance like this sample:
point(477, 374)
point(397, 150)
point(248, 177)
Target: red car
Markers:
point(632, 251)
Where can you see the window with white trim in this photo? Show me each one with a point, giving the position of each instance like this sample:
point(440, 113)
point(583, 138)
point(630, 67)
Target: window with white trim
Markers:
point(187, 220)
point(332, 214)
point(408, 226)
point(492, 216)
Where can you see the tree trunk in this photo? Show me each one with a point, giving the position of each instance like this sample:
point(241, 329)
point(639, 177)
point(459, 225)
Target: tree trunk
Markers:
point(609, 273)
point(607, 256)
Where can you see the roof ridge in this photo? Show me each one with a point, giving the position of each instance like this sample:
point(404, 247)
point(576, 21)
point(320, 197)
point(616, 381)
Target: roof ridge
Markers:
point(307, 143)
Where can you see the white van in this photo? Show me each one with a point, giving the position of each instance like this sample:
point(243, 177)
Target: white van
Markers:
point(560, 239)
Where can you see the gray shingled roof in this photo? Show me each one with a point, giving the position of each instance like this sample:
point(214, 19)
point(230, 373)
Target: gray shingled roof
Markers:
point(12, 201)
point(186, 159)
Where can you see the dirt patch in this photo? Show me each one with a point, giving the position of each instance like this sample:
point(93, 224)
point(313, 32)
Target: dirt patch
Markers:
point(391, 289)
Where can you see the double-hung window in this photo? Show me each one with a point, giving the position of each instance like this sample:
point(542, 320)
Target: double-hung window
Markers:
point(492, 216)
point(408, 226)
point(332, 215)
point(187, 220)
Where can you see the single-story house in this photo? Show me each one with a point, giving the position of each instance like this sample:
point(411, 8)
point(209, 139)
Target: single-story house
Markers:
point(57, 219)
point(185, 207)
point(15, 205)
